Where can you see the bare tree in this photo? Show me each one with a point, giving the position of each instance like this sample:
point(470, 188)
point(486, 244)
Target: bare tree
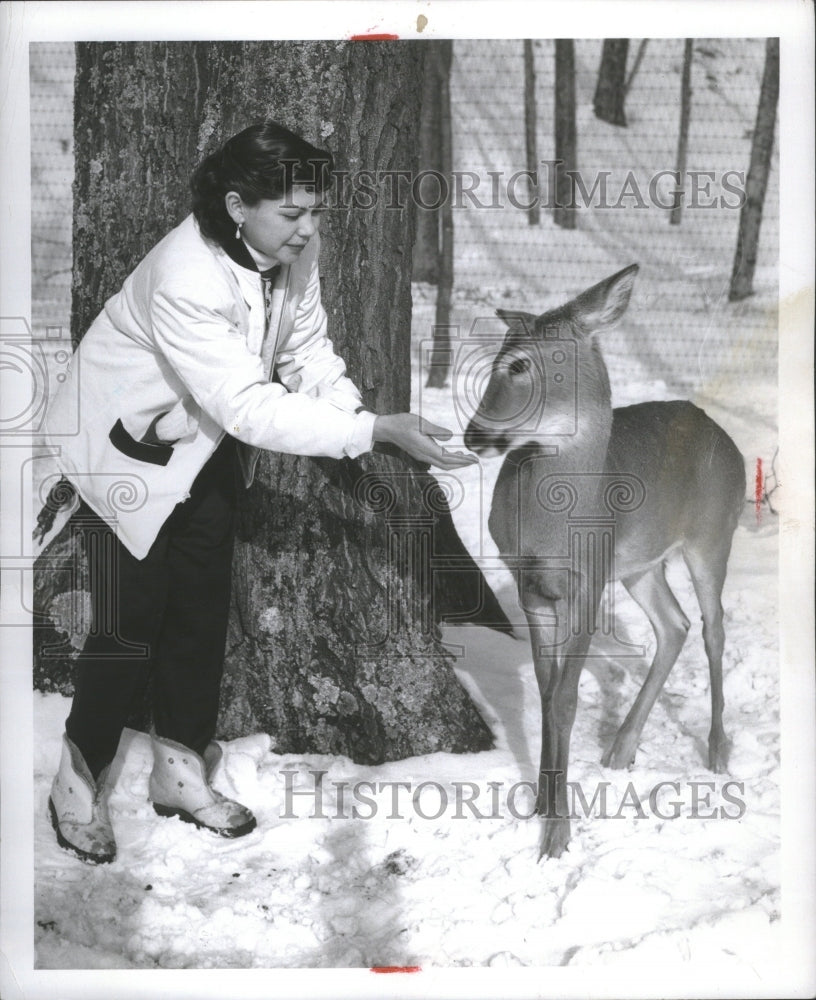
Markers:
point(742, 276)
point(676, 213)
point(427, 248)
point(610, 91)
point(630, 79)
point(566, 153)
point(439, 364)
point(530, 127)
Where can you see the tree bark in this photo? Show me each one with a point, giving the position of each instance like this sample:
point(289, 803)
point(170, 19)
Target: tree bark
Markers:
point(426, 262)
point(742, 276)
point(530, 130)
point(610, 91)
point(566, 153)
point(342, 569)
point(439, 365)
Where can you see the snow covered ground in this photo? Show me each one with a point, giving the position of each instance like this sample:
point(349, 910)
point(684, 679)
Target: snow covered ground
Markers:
point(456, 890)
point(464, 887)
point(444, 884)
point(424, 879)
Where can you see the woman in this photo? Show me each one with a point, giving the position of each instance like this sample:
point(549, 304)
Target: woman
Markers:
point(215, 347)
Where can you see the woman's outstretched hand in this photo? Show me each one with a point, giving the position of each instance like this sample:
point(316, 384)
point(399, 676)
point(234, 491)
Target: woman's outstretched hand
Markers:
point(416, 436)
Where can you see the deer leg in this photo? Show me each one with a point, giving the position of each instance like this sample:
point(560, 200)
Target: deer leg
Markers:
point(708, 583)
point(671, 626)
point(542, 620)
point(557, 827)
point(558, 667)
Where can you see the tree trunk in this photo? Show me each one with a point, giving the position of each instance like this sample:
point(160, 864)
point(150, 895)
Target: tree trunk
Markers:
point(630, 79)
point(530, 130)
point(439, 365)
point(676, 213)
point(566, 154)
point(742, 276)
point(427, 242)
point(610, 91)
point(343, 568)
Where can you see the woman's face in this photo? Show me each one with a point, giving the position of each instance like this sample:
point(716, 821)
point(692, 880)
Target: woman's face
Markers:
point(280, 227)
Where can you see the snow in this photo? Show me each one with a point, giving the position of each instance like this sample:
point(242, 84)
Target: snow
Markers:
point(457, 890)
point(464, 888)
point(680, 888)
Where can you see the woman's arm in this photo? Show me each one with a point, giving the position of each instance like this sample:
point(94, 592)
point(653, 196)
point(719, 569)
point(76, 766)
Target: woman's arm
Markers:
point(228, 382)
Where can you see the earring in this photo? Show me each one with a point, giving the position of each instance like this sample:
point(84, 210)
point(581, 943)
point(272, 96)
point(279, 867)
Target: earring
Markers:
point(238, 231)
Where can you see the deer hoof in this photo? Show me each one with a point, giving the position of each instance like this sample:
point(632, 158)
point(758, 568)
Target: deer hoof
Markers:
point(718, 754)
point(618, 758)
point(556, 838)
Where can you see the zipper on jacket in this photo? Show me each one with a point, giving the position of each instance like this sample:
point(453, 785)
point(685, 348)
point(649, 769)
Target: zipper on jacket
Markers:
point(276, 342)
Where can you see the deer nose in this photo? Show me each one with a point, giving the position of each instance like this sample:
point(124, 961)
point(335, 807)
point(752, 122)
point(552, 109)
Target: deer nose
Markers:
point(485, 442)
point(473, 437)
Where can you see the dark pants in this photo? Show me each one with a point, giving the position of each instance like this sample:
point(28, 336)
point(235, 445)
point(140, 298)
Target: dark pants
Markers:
point(164, 615)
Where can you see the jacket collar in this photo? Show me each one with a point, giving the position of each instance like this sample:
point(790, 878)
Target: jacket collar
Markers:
point(238, 251)
point(237, 260)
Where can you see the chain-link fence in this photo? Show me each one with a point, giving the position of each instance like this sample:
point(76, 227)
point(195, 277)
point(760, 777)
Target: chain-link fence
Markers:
point(681, 328)
point(52, 174)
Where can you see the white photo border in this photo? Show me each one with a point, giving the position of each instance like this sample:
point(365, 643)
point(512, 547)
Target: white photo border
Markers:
point(792, 21)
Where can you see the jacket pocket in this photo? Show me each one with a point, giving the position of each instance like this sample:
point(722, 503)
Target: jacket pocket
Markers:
point(155, 454)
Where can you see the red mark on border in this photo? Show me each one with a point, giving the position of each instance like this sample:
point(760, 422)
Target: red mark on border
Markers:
point(758, 490)
point(396, 968)
point(374, 38)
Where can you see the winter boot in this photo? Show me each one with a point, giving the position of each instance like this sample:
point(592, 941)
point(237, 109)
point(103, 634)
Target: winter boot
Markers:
point(180, 786)
point(78, 808)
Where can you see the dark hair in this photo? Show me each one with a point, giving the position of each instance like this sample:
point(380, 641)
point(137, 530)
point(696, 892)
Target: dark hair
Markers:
point(263, 161)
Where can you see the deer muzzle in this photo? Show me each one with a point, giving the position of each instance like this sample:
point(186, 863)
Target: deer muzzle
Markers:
point(483, 441)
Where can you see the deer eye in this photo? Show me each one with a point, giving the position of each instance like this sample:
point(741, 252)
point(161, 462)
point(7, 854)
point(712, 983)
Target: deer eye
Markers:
point(518, 365)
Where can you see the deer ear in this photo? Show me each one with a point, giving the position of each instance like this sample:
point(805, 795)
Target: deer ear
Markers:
point(515, 318)
point(603, 305)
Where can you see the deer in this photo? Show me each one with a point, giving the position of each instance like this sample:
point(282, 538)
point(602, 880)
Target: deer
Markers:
point(588, 495)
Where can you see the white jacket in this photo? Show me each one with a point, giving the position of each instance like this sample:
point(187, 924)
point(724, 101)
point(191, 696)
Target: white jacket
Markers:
point(179, 355)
